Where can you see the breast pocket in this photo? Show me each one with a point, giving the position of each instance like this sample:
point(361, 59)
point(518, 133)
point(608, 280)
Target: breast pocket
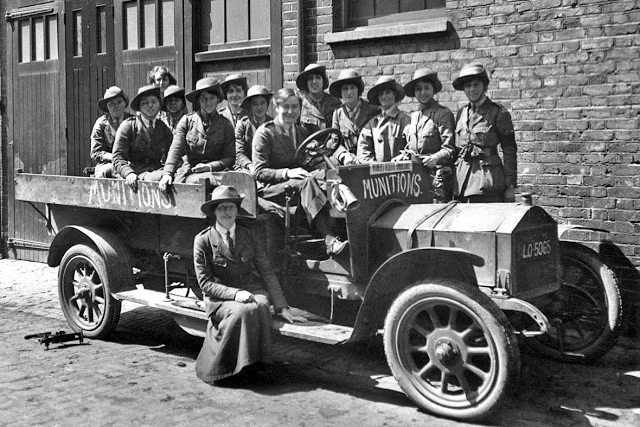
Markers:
point(195, 142)
point(430, 138)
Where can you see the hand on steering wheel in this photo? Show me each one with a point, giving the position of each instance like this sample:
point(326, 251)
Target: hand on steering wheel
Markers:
point(320, 145)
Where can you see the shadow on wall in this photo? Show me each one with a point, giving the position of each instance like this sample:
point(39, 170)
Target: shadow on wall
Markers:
point(629, 278)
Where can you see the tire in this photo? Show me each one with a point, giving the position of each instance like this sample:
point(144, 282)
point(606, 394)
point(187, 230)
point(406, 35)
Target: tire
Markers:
point(586, 313)
point(451, 349)
point(84, 292)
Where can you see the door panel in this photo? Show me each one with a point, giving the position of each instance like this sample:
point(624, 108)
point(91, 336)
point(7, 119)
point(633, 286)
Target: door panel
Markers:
point(37, 109)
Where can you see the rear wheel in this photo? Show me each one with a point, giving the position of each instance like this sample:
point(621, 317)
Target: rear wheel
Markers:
point(85, 297)
point(451, 349)
point(586, 313)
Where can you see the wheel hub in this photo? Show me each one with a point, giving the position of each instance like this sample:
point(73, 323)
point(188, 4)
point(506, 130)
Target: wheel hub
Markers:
point(446, 352)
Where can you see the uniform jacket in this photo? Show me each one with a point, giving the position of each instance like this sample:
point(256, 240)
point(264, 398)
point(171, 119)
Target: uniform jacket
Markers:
point(274, 151)
point(350, 129)
point(227, 114)
point(172, 121)
point(314, 117)
point(431, 131)
point(221, 274)
point(215, 147)
point(137, 149)
point(479, 168)
point(245, 130)
point(103, 136)
point(382, 137)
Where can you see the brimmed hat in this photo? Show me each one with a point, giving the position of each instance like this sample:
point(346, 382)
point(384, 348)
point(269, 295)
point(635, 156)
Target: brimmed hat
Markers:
point(426, 76)
point(173, 90)
point(256, 90)
point(321, 70)
point(109, 94)
point(470, 72)
point(382, 83)
point(348, 76)
point(222, 194)
point(149, 90)
point(210, 84)
point(236, 79)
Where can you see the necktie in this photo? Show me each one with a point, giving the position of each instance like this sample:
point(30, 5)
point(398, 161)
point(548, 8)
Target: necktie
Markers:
point(230, 241)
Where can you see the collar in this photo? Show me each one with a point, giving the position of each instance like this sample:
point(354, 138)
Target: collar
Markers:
point(480, 103)
point(429, 105)
point(393, 111)
point(316, 101)
point(281, 125)
point(146, 121)
point(356, 108)
point(223, 231)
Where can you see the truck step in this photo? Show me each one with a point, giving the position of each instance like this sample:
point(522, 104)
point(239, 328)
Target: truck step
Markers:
point(190, 314)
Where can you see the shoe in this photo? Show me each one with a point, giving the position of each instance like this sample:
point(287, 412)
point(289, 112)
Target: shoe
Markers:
point(336, 246)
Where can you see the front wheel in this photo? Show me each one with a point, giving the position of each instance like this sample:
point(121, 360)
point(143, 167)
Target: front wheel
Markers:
point(84, 292)
point(451, 349)
point(586, 313)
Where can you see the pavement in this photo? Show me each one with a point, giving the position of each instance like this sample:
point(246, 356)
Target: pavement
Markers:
point(144, 375)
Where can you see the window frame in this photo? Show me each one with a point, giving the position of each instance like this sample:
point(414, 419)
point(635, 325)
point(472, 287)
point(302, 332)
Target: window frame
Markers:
point(346, 23)
point(141, 22)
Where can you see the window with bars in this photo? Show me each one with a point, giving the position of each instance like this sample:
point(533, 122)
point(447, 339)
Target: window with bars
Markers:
point(360, 13)
point(148, 23)
point(38, 38)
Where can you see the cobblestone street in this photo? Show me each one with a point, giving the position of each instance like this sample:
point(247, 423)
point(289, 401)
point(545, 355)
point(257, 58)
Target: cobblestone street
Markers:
point(144, 375)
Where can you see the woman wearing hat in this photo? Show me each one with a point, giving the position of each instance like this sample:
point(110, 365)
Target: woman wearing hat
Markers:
point(174, 106)
point(430, 134)
point(256, 103)
point(204, 136)
point(352, 116)
point(274, 148)
point(234, 90)
point(317, 105)
point(481, 126)
point(381, 138)
point(142, 142)
point(104, 130)
point(238, 285)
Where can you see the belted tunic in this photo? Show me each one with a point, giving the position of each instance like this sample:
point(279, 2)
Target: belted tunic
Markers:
point(351, 126)
point(103, 136)
point(479, 135)
point(316, 115)
point(382, 137)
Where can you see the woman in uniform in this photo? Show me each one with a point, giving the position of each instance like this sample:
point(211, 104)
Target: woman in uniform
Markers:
point(352, 116)
point(142, 142)
point(239, 286)
point(257, 103)
point(161, 76)
point(430, 134)
point(317, 105)
point(234, 90)
point(174, 106)
point(382, 137)
point(103, 135)
point(274, 147)
point(481, 127)
point(204, 136)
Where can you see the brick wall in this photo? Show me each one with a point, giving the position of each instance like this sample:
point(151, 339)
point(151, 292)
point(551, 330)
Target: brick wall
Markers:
point(3, 139)
point(569, 72)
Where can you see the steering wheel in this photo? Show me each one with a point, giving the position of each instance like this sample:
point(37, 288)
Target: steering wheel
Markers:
point(317, 147)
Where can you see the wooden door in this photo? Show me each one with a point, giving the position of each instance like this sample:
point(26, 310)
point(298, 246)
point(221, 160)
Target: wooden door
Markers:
point(147, 33)
point(240, 36)
point(90, 70)
point(37, 116)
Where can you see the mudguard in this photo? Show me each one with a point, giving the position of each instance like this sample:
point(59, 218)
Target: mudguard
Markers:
point(563, 228)
point(404, 270)
point(114, 253)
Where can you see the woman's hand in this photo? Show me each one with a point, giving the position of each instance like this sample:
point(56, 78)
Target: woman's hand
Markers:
point(165, 182)
point(297, 173)
point(202, 167)
point(107, 157)
point(244, 296)
point(290, 318)
point(429, 161)
point(132, 180)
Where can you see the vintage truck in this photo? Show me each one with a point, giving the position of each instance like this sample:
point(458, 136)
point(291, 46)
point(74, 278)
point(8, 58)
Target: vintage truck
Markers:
point(454, 289)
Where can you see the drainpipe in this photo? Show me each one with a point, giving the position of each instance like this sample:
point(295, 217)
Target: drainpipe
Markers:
point(301, 63)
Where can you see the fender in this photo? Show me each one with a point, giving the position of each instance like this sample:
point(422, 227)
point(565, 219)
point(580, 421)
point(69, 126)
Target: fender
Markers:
point(403, 270)
point(563, 228)
point(114, 253)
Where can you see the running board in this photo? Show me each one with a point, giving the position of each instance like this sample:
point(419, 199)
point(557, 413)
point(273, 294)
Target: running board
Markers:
point(190, 315)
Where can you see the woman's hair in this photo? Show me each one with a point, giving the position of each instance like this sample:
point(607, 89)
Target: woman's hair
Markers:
point(283, 94)
point(164, 71)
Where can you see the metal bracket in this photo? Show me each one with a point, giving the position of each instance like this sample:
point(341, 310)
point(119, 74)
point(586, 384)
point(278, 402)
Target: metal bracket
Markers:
point(515, 304)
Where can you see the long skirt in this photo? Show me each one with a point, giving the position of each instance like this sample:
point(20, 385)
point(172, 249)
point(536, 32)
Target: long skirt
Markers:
point(238, 335)
point(310, 192)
